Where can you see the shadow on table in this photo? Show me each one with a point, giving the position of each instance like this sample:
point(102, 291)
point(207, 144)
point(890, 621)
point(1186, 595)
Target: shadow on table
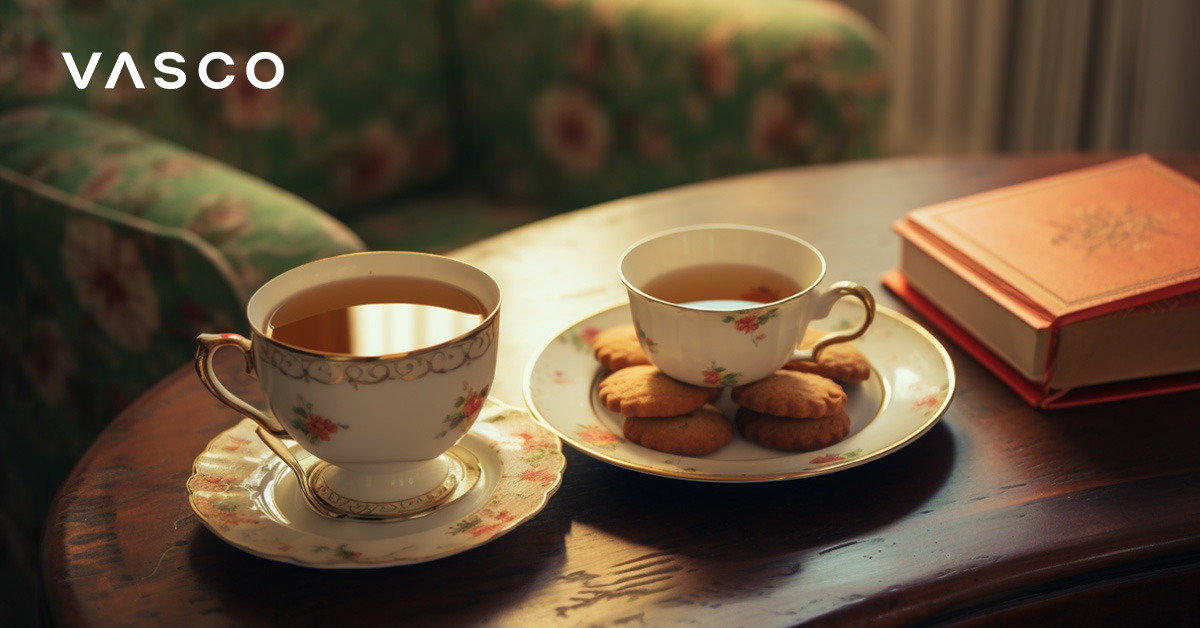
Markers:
point(846, 503)
point(737, 539)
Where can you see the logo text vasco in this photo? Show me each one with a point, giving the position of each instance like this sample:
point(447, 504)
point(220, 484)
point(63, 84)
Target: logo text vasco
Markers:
point(166, 63)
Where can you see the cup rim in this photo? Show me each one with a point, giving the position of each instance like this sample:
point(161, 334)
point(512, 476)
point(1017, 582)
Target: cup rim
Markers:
point(715, 227)
point(484, 324)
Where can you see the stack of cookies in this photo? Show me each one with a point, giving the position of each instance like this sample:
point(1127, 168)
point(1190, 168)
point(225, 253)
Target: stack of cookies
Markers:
point(660, 413)
point(802, 407)
point(792, 411)
point(665, 414)
point(798, 408)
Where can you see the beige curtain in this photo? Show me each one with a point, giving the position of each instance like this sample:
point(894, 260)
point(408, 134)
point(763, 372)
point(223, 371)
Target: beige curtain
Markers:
point(1041, 75)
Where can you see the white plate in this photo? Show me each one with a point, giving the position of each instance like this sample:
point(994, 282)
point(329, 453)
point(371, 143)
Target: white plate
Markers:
point(247, 496)
point(910, 387)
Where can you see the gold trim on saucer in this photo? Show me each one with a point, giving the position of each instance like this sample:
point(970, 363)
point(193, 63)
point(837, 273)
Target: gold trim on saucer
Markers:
point(247, 496)
point(464, 473)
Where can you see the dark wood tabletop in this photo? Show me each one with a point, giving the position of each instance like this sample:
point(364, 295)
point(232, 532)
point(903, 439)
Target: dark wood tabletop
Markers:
point(999, 515)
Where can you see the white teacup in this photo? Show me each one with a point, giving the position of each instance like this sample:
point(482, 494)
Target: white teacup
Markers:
point(725, 305)
point(379, 417)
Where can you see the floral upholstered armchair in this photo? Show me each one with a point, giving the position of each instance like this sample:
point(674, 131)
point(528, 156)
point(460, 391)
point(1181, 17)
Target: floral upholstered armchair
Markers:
point(133, 217)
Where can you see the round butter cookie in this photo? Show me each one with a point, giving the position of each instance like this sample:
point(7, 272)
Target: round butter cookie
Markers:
point(843, 361)
point(644, 391)
point(696, 433)
point(792, 394)
point(789, 434)
point(618, 347)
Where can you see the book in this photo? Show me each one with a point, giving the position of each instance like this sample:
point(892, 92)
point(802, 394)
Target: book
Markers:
point(1082, 280)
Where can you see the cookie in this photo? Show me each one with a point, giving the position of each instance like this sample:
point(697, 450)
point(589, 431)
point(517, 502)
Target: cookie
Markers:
point(618, 347)
point(644, 391)
point(696, 433)
point(843, 361)
point(792, 394)
point(788, 434)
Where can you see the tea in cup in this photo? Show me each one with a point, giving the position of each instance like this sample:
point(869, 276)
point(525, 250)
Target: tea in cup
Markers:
point(377, 364)
point(725, 305)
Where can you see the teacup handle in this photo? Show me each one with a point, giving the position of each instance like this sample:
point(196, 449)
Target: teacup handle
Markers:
point(825, 304)
point(209, 343)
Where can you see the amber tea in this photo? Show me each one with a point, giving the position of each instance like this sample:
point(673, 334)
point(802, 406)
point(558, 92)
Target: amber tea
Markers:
point(722, 286)
point(375, 316)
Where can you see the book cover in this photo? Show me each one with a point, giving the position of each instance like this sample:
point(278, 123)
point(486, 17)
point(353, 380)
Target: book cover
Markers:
point(1041, 273)
point(1032, 392)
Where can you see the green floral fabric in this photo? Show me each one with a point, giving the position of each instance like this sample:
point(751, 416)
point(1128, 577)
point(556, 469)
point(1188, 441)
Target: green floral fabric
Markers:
point(116, 250)
point(573, 102)
point(362, 111)
point(563, 103)
point(257, 231)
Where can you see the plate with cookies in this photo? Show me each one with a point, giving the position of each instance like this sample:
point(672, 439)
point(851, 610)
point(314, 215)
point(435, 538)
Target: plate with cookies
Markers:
point(594, 386)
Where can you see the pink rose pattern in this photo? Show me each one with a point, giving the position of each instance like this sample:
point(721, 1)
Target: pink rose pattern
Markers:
point(719, 375)
point(466, 408)
point(544, 477)
point(597, 436)
point(534, 450)
point(749, 323)
point(538, 469)
point(828, 459)
point(583, 338)
point(647, 342)
point(484, 522)
point(225, 513)
point(315, 427)
point(926, 403)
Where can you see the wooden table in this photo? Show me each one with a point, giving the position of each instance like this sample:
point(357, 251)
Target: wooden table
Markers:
point(998, 515)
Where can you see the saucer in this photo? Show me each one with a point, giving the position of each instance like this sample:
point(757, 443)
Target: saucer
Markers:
point(249, 498)
point(911, 383)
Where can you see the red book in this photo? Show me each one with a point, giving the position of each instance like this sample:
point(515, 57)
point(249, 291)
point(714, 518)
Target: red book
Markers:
point(1084, 279)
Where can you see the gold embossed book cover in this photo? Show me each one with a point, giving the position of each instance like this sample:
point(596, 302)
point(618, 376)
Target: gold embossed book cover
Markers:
point(1085, 278)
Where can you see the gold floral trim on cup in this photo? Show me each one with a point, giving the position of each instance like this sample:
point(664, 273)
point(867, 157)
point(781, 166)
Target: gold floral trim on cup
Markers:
point(356, 372)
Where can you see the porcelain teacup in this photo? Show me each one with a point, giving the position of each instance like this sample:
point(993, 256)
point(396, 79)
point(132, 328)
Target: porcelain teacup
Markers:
point(725, 305)
point(381, 424)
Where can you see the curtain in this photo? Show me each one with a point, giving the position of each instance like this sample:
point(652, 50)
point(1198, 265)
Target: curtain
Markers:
point(1041, 75)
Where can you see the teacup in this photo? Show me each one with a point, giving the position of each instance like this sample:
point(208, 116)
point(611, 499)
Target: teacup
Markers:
point(375, 363)
point(725, 305)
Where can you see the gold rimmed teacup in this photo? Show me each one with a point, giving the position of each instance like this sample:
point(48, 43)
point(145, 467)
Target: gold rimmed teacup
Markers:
point(381, 430)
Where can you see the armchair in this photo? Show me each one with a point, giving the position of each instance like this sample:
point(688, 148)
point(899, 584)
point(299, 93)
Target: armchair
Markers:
point(132, 219)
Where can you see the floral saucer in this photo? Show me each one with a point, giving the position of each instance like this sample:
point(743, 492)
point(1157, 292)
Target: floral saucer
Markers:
point(247, 496)
point(911, 384)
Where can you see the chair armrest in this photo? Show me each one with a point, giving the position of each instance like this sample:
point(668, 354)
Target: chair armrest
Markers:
point(578, 102)
point(250, 230)
point(116, 250)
